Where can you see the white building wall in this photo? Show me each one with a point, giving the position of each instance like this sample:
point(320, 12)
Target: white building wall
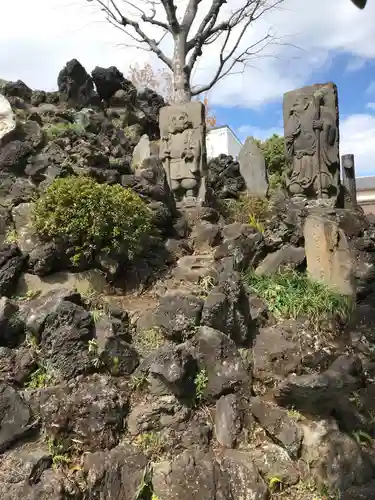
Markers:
point(222, 141)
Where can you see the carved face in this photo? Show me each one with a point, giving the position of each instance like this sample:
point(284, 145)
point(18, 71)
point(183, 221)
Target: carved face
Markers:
point(179, 122)
point(301, 104)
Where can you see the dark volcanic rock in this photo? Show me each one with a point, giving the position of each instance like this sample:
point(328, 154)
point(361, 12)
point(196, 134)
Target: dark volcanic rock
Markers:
point(15, 417)
point(64, 339)
point(227, 308)
point(13, 156)
point(114, 474)
point(17, 89)
point(109, 80)
point(224, 177)
point(89, 412)
point(11, 265)
point(175, 367)
point(75, 84)
point(219, 357)
point(228, 420)
point(11, 326)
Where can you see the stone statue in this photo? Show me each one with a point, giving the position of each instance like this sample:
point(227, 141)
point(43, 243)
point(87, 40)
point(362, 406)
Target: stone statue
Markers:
point(7, 121)
point(311, 142)
point(183, 150)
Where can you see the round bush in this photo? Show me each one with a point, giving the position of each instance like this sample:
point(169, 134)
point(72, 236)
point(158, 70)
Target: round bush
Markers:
point(92, 216)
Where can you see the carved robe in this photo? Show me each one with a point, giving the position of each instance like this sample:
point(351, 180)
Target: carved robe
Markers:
point(312, 172)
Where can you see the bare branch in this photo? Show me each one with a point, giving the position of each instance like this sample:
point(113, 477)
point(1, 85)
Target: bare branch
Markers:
point(116, 18)
point(170, 10)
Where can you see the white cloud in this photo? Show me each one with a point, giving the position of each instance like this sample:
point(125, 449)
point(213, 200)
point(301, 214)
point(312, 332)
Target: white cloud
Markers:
point(357, 134)
point(48, 33)
point(355, 64)
point(371, 88)
point(370, 105)
point(259, 133)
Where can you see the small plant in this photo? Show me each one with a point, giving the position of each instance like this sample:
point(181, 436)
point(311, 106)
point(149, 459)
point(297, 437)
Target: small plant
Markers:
point(275, 483)
point(39, 379)
point(362, 438)
point(295, 415)
point(11, 236)
point(31, 341)
point(255, 223)
point(96, 314)
point(29, 295)
point(149, 340)
point(137, 383)
point(200, 382)
point(151, 443)
point(54, 131)
point(93, 348)
point(248, 210)
point(92, 217)
point(291, 295)
point(206, 284)
point(56, 450)
point(144, 489)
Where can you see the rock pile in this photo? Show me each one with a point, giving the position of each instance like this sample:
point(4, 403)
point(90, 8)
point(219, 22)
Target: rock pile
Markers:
point(193, 388)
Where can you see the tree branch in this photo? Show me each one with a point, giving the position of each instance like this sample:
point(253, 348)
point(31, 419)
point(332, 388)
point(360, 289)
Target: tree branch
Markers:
point(116, 18)
point(170, 10)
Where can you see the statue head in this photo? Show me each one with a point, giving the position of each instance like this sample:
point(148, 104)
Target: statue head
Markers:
point(301, 103)
point(179, 122)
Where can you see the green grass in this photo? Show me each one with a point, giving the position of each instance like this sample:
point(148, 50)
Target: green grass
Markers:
point(292, 295)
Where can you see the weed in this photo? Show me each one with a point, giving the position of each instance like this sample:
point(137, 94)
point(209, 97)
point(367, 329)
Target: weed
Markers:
point(275, 483)
point(362, 438)
point(31, 342)
point(200, 382)
point(206, 284)
point(291, 295)
point(151, 443)
point(137, 383)
point(149, 340)
point(248, 210)
point(54, 131)
point(40, 378)
point(56, 450)
point(29, 295)
point(96, 314)
point(11, 236)
point(144, 489)
point(93, 348)
point(295, 415)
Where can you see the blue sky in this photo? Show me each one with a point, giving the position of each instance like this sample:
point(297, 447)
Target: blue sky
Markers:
point(318, 41)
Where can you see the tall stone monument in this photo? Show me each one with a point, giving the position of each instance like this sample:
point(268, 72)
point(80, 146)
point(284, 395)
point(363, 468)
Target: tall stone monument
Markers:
point(183, 149)
point(348, 181)
point(311, 130)
point(253, 169)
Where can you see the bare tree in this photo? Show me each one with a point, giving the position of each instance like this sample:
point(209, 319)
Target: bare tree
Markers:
point(137, 17)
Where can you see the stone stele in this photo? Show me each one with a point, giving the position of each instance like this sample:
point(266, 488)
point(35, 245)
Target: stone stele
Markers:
point(7, 121)
point(311, 131)
point(328, 254)
point(253, 169)
point(183, 149)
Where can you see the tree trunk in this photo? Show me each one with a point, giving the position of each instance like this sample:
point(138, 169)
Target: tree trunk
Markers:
point(181, 76)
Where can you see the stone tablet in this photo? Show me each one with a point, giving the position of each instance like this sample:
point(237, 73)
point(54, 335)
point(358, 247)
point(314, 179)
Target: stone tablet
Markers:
point(348, 180)
point(7, 121)
point(328, 254)
point(253, 169)
point(183, 149)
point(311, 130)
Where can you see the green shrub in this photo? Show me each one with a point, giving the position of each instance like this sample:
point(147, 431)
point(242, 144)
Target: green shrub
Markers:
point(248, 210)
point(292, 295)
point(54, 131)
point(92, 216)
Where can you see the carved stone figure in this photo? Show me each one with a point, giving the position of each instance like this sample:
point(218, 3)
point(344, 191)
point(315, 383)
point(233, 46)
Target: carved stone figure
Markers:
point(183, 150)
point(7, 121)
point(312, 141)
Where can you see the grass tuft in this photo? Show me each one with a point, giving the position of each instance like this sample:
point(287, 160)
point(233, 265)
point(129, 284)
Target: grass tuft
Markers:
point(292, 295)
